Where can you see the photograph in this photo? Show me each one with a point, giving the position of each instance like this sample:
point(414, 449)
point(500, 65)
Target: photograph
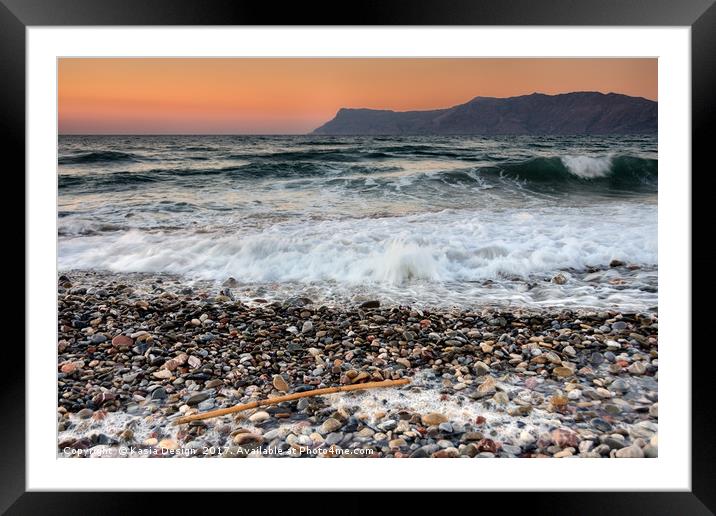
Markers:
point(357, 257)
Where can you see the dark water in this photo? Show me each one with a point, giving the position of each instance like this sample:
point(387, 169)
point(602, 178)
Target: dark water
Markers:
point(427, 220)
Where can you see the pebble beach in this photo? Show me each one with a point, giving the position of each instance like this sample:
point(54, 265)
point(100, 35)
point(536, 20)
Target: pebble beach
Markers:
point(138, 351)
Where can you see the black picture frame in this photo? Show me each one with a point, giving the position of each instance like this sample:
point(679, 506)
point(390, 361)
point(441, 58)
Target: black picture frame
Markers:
point(700, 15)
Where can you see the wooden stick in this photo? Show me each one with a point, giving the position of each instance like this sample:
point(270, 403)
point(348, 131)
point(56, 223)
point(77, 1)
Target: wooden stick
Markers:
point(291, 397)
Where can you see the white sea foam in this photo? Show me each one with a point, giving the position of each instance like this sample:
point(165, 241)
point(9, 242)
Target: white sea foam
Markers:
point(446, 246)
point(588, 167)
point(411, 255)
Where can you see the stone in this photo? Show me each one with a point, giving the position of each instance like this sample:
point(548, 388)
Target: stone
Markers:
point(425, 451)
point(501, 398)
point(98, 338)
point(194, 362)
point(559, 401)
point(603, 393)
point(619, 385)
point(103, 397)
point(562, 372)
point(279, 383)
point(259, 417)
point(330, 425)
point(404, 362)
point(365, 432)
point(643, 429)
point(654, 410)
point(159, 394)
point(85, 413)
point(614, 441)
point(616, 263)
point(388, 425)
point(307, 327)
point(397, 443)
point(197, 398)
point(637, 368)
point(601, 425)
point(162, 374)
point(596, 358)
point(564, 437)
point(487, 387)
point(631, 452)
point(370, 304)
point(481, 368)
point(230, 282)
point(445, 427)
point(168, 444)
point(122, 342)
point(71, 367)
point(447, 453)
point(433, 419)
point(651, 452)
point(527, 438)
point(520, 410)
point(247, 438)
point(487, 445)
point(511, 449)
point(559, 279)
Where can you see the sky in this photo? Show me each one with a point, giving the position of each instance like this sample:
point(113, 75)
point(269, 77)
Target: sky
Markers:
point(296, 95)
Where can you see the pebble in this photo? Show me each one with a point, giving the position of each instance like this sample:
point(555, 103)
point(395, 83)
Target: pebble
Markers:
point(259, 417)
point(168, 444)
point(630, 452)
point(280, 384)
point(122, 342)
point(247, 438)
point(433, 419)
point(564, 437)
point(159, 394)
point(85, 413)
point(330, 425)
point(445, 427)
point(654, 410)
point(182, 352)
point(637, 368)
point(197, 398)
point(562, 372)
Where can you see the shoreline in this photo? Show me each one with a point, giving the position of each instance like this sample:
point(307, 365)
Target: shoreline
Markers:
point(132, 358)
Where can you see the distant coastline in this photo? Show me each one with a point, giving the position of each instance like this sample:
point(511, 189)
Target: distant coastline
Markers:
point(536, 114)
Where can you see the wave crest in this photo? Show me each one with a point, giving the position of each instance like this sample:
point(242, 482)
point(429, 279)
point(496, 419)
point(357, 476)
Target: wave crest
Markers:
point(96, 157)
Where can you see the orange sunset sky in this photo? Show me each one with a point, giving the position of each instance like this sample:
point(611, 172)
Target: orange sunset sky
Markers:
point(288, 96)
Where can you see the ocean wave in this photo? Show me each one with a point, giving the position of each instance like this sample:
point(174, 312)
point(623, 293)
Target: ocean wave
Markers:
point(239, 172)
point(623, 170)
point(111, 180)
point(96, 157)
point(449, 246)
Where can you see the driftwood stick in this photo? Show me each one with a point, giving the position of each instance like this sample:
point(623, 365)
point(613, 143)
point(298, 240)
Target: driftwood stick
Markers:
point(291, 397)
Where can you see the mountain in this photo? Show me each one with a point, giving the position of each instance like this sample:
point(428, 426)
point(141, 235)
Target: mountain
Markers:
point(582, 112)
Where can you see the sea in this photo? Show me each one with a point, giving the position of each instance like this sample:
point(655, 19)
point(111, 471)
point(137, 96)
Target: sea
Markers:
point(427, 221)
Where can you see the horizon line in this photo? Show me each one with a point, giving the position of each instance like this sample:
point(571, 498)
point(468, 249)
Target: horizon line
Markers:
point(364, 109)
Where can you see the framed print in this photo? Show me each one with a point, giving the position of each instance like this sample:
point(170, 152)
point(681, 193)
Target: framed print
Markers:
point(435, 233)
